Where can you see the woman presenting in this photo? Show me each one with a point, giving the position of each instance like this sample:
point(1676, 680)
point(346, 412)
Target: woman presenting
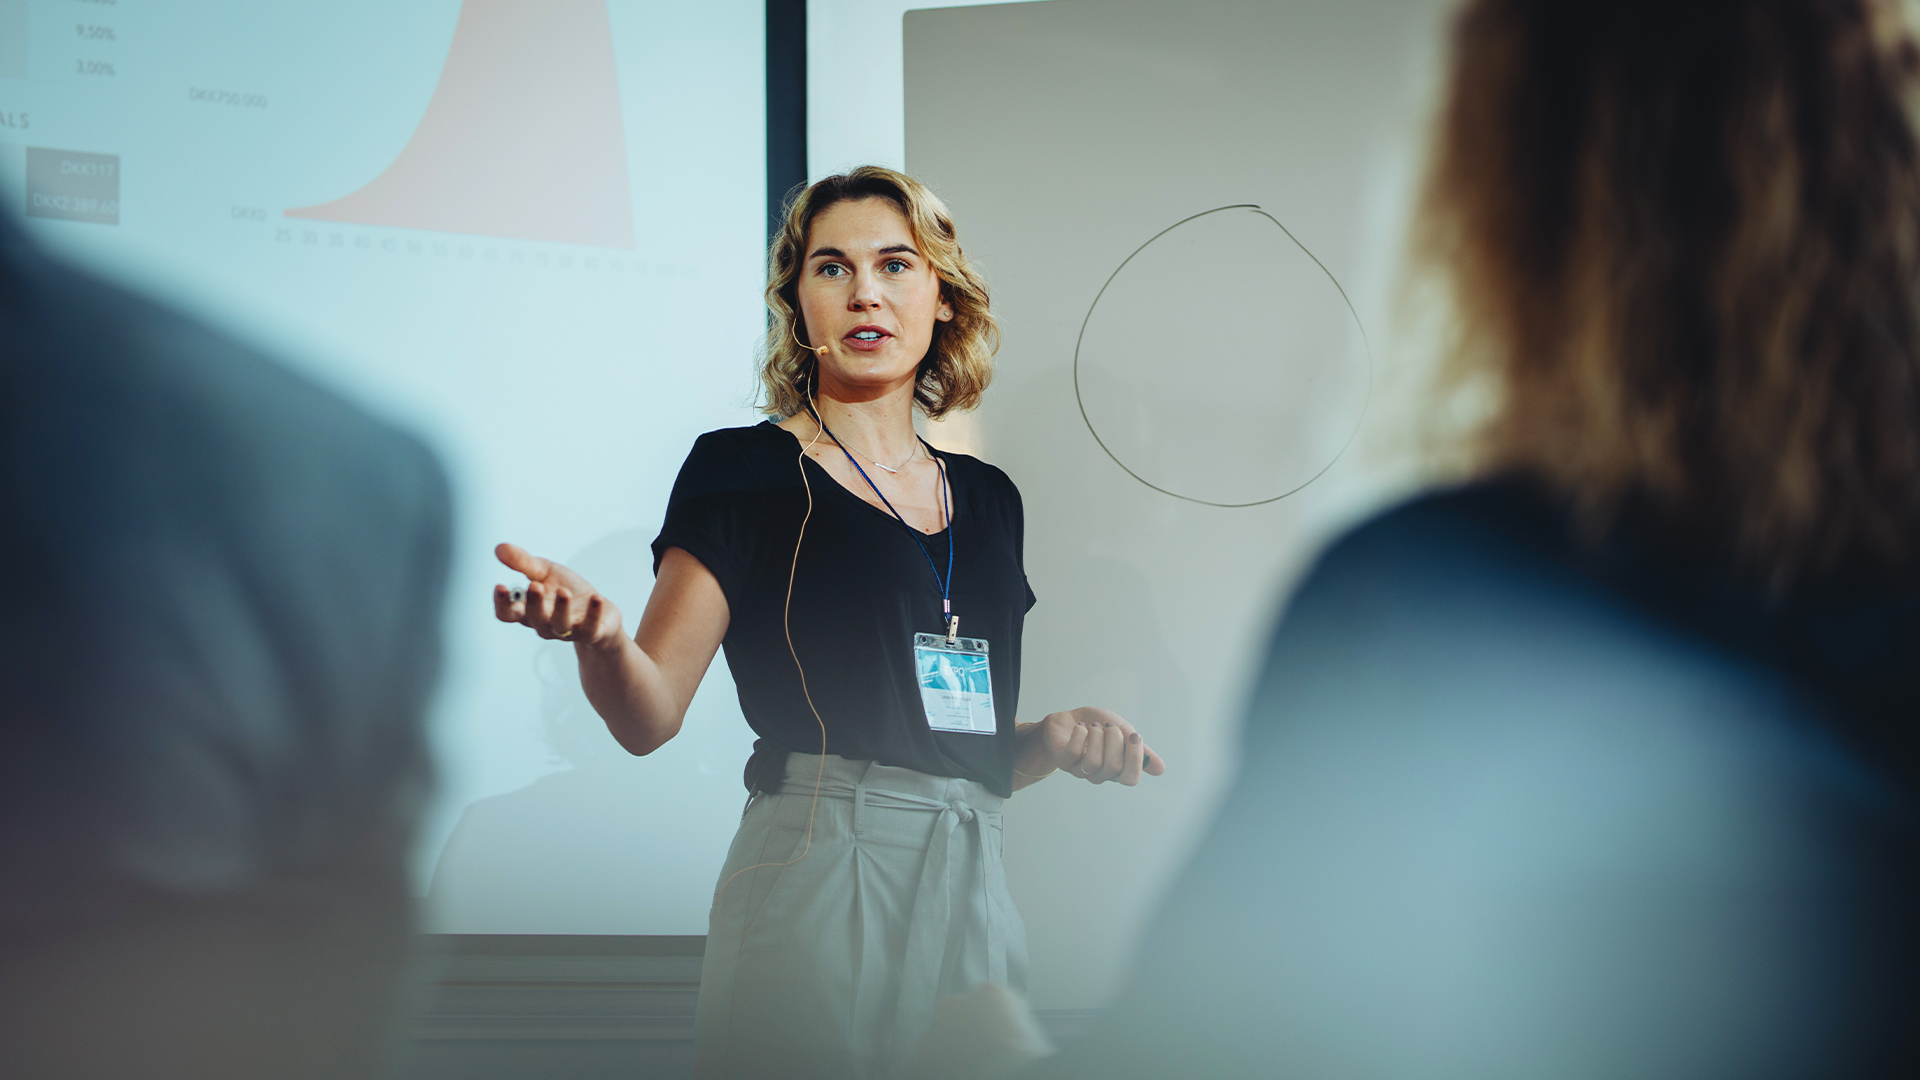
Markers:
point(870, 593)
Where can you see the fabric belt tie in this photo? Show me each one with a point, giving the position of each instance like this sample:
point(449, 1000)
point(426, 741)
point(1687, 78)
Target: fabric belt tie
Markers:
point(933, 906)
point(940, 873)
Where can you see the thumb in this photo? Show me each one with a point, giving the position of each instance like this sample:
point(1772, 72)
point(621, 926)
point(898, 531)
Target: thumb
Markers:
point(520, 559)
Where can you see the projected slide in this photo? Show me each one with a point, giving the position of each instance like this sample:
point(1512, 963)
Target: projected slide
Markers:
point(13, 40)
point(522, 138)
point(439, 209)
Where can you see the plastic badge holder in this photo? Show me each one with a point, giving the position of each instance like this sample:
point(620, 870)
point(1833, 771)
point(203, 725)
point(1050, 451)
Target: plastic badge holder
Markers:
point(956, 687)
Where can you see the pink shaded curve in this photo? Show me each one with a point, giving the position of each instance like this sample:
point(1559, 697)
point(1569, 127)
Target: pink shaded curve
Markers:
point(522, 138)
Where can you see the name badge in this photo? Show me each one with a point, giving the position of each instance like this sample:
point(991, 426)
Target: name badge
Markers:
point(956, 689)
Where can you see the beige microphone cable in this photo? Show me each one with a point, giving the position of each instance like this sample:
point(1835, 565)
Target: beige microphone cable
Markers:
point(819, 778)
point(786, 618)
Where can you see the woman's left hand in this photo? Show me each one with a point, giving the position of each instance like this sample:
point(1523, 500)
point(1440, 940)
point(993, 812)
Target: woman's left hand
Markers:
point(1090, 743)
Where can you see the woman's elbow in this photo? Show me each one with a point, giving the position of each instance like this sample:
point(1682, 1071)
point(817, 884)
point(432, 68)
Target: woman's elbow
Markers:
point(645, 741)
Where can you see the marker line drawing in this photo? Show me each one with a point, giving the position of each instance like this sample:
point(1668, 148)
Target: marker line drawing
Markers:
point(1084, 323)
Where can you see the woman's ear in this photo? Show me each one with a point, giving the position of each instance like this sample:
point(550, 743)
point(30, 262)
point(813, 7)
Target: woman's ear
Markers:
point(945, 313)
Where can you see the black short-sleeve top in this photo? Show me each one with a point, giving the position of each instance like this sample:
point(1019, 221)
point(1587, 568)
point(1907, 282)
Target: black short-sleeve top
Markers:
point(861, 589)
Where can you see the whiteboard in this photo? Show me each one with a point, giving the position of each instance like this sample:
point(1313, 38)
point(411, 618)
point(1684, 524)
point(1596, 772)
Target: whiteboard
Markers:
point(1273, 151)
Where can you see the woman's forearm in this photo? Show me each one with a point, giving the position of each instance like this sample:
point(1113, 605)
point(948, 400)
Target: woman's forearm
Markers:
point(642, 692)
point(1031, 762)
point(627, 688)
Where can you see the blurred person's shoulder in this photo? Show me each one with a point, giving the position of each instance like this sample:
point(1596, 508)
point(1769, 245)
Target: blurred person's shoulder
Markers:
point(174, 390)
point(1486, 558)
point(1450, 547)
point(1483, 590)
point(1481, 613)
point(1456, 522)
point(256, 565)
point(194, 484)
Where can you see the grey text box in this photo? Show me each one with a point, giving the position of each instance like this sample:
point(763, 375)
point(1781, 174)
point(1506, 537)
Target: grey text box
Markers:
point(73, 186)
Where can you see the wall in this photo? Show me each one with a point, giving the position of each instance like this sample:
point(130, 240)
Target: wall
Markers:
point(854, 100)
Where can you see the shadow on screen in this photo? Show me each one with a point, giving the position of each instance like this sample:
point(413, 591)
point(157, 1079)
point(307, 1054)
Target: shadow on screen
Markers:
point(611, 844)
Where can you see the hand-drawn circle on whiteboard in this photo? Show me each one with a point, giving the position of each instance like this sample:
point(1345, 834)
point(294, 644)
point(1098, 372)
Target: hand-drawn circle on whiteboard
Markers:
point(1274, 332)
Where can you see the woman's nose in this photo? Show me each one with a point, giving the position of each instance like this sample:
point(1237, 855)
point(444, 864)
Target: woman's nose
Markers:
point(866, 294)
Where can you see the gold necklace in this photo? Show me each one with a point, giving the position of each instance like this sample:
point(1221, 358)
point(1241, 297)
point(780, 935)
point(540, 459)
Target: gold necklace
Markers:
point(891, 469)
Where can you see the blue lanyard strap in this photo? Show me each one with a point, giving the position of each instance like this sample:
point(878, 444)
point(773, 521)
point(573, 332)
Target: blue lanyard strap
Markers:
point(946, 593)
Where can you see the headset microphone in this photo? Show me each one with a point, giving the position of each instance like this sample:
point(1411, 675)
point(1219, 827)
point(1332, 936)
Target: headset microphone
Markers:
point(819, 351)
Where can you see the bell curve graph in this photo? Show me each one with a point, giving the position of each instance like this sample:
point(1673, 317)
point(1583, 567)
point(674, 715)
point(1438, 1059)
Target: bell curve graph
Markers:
point(522, 138)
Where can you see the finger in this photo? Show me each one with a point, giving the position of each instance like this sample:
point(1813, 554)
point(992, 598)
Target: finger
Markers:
point(1136, 758)
point(562, 614)
point(1113, 756)
point(594, 623)
point(519, 558)
point(1076, 748)
point(1093, 760)
point(505, 608)
point(539, 613)
point(1122, 752)
point(1093, 754)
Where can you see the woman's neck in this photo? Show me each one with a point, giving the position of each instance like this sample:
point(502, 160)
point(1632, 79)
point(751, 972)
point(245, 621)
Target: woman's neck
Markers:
point(880, 429)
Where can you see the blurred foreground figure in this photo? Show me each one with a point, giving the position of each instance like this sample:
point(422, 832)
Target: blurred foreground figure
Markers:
point(219, 631)
point(1605, 766)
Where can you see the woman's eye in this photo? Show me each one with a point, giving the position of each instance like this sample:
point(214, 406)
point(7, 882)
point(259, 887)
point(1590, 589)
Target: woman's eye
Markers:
point(831, 270)
point(895, 266)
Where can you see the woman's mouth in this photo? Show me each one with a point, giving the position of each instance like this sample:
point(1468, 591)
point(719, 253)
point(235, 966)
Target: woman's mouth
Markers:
point(866, 338)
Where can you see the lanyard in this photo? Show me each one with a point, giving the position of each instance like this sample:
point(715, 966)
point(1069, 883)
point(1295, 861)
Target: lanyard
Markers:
point(946, 586)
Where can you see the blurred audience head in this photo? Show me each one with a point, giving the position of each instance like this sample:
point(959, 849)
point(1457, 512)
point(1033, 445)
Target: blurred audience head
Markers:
point(1683, 241)
point(215, 664)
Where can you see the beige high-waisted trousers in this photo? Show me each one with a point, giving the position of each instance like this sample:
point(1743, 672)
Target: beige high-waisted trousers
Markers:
point(830, 967)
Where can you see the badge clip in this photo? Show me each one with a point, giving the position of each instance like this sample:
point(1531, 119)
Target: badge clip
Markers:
point(953, 629)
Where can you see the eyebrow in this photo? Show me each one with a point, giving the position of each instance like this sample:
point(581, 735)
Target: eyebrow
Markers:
point(836, 253)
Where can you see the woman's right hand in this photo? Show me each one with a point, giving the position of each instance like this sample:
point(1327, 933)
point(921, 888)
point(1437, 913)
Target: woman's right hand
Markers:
point(559, 603)
point(640, 686)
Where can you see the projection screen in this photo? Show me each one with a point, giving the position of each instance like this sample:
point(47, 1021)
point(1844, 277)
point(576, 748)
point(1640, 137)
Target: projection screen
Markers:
point(529, 230)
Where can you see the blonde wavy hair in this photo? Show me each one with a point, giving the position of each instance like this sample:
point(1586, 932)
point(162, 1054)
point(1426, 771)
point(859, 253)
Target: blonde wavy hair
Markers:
point(959, 362)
